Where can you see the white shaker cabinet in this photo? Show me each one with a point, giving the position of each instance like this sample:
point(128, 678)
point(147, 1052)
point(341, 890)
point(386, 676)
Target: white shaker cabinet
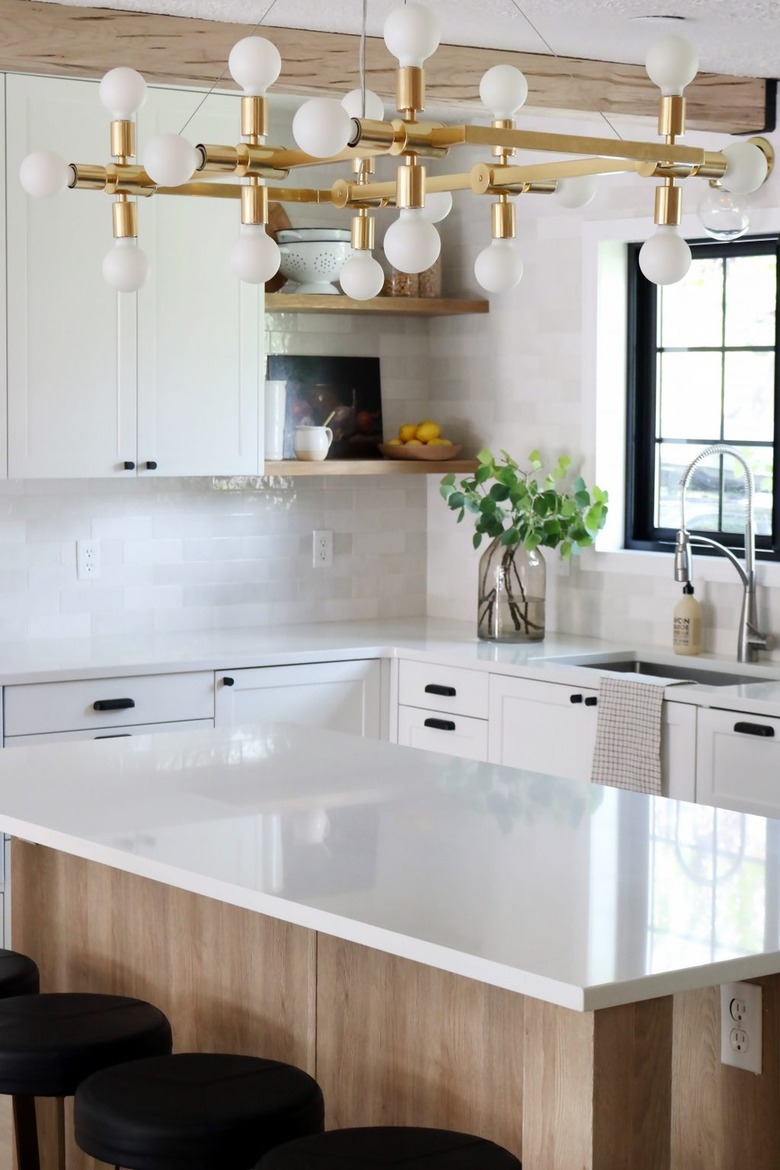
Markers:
point(738, 761)
point(443, 709)
point(339, 696)
point(71, 339)
point(162, 382)
point(551, 728)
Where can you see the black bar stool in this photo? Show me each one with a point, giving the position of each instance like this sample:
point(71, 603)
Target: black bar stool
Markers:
point(50, 1043)
point(194, 1111)
point(19, 975)
point(379, 1147)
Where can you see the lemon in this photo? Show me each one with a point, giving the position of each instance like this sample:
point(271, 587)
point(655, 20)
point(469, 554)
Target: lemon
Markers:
point(439, 442)
point(394, 443)
point(414, 443)
point(427, 430)
point(407, 432)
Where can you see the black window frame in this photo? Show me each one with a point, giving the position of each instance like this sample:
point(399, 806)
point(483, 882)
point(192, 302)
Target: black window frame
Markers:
point(640, 531)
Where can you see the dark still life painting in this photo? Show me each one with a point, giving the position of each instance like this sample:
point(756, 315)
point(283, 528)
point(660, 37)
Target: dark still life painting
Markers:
point(347, 387)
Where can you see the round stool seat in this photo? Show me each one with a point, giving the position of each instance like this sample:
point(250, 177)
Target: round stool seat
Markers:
point(18, 975)
point(194, 1111)
point(50, 1043)
point(375, 1147)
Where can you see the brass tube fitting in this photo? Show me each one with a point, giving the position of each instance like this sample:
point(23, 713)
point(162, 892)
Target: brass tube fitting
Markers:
point(671, 116)
point(502, 220)
point(254, 204)
point(409, 90)
point(122, 135)
point(363, 232)
point(254, 117)
point(410, 186)
point(668, 205)
point(124, 218)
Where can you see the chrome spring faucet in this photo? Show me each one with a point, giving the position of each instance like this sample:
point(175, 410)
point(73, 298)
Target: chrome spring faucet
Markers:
point(750, 639)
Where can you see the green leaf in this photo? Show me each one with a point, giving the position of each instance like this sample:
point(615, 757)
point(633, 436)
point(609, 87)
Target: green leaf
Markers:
point(472, 505)
point(456, 500)
point(482, 473)
point(566, 549)
point(540, 506)
point(499, 491)
point(484, 456)
point(535, 460)
point(510, 537)
point(578, 485)
point(448, 480)
point(593, 518)
point(582, 499)
point(476, 539)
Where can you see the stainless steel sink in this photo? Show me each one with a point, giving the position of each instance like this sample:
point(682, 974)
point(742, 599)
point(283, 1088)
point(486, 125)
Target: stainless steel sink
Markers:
point(710, 678)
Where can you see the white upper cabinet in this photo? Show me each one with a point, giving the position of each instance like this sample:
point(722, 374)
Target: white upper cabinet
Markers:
point(71, 383)
point(199, 328)
point(168, 376)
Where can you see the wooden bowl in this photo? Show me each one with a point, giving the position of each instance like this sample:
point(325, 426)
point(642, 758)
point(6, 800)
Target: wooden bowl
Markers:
point(402, 451)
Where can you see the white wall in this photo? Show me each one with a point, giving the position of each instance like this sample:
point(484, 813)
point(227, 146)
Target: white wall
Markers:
point(527, 377)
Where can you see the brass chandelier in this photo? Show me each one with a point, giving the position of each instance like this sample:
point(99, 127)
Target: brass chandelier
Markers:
point(354, 131)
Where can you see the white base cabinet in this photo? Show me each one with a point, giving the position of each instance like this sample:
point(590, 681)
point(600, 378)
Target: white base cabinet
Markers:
point(339, 696)
point(443, 709)
point(738, 761)
point(551, 728)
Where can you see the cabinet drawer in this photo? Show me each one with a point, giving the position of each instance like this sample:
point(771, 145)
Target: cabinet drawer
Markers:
point(443, 688)
point(434, 731)
point(107, 732)
point(738, 761)
point(108, 702)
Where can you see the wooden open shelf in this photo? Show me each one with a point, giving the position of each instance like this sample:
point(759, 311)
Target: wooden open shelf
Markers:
point(369, 466)
point(384, 306)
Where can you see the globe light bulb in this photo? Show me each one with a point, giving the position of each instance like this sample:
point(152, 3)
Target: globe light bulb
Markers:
point(255, 256)
point(412, 244)
point(123, 92)
point(125, 266)
point(322, 127)
point(671, 64)
point(353, 104)
point(503, 90)
point(412, 33)
point(438, 205)
point(746, 168)
point(665, 258)
point(170, 160)
point(722, 216)
point(362, 276)
point(44, 174)
point(576, 191)
point(254, 64)
point(498, 268)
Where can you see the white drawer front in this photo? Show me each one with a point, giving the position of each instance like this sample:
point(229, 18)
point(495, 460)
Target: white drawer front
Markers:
point(107, 733)
point(108, 702)
point(443, 688)
point(434, 731)
point(738, 762)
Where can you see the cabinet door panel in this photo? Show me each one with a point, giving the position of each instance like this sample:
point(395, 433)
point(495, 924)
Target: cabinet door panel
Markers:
point(738, 762)
point(454, 735)
point(535, 725)
point(340, 696)
point(199, 327)
point(71, 339)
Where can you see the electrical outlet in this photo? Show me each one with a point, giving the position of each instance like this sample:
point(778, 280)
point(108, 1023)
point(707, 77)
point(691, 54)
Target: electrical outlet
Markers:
point(740, 1025)
point(87, 560)
point(322, 548)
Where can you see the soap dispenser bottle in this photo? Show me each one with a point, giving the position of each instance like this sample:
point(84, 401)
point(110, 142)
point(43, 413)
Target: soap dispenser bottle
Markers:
point(687, 623)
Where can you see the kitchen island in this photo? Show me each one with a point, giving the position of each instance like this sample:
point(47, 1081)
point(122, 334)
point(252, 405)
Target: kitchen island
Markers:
point(438, 941)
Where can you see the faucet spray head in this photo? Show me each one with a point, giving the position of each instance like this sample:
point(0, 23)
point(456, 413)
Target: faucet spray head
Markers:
point(682, 557)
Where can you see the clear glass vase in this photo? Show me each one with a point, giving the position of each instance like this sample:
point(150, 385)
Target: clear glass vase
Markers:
point(512, 586)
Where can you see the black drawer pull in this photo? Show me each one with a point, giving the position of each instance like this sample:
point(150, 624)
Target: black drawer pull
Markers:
point(151, 464)
point(755, 729)
point(591, 701)
point(113, 704)
point(228, 681)
point(128, 465)
point(115, 735)
point(435, 689)
point(440, 724)
point(575, 698)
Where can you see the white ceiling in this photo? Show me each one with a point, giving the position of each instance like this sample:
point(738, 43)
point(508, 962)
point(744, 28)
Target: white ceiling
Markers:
point(735, 38)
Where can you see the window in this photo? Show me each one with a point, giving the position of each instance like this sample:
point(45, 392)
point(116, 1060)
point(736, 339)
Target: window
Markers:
point(704, 368)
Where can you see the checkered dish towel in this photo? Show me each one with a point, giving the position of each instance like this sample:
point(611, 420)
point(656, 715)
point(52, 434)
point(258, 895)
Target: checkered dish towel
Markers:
point(628, 734)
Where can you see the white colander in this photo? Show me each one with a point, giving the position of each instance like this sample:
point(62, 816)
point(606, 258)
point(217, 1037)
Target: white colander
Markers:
point(314, 265)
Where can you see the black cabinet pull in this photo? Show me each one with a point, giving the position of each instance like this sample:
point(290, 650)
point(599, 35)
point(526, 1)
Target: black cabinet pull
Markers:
point(761, 729)
point(151, 465)
point(440, 724)
point(113, 704)
point(128, 465)
point(591, 701)
point(228, 682)
point(115, 735)
point(575, 698)
point(435, 689)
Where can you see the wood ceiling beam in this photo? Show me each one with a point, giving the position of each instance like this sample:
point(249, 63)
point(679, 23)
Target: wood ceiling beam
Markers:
point(85, 42)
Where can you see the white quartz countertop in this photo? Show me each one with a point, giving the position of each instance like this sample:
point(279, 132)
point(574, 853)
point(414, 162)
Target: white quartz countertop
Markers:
point(433, 639)
point(583, 896)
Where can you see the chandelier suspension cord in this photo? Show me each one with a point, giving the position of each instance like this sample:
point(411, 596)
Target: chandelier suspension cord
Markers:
point(217, 80)
point(362, 59)
point(570, 75)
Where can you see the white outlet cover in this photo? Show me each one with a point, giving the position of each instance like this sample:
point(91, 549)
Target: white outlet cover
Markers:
point(749, 995)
